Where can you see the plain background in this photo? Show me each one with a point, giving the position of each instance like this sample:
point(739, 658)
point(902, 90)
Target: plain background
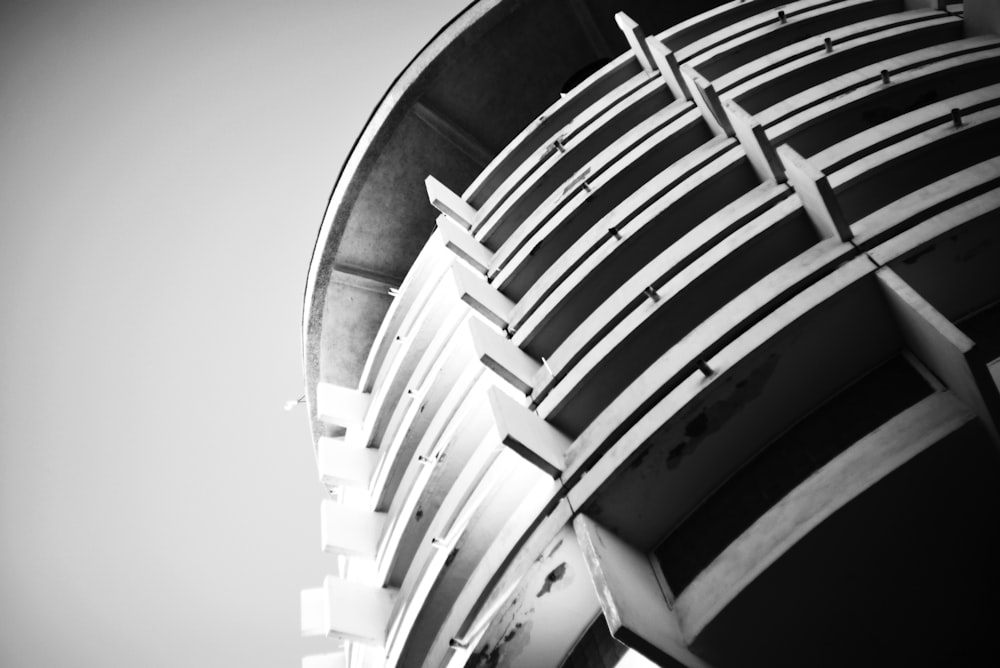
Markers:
point(164, 167)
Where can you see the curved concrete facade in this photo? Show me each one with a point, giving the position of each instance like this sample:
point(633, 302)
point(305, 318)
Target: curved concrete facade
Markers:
point(700, 359)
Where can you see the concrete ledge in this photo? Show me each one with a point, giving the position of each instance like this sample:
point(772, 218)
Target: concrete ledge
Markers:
point(847, 476)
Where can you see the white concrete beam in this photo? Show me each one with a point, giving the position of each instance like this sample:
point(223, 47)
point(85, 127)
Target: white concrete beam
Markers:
point(335, 660)
point(348, 610)
point(707, 100)
point(635, 606)
point(501, 356)
point(817, 195)
point(349, 530)
point(528, 435)
point(670, 69)
point(460, 242)
point(450, 204)
point(483, 297)
point(636, 40)
point(363, 279)
point(341, 406)
point(341, 464)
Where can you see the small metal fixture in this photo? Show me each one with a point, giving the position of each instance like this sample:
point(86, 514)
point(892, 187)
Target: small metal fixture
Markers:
point(292, 403)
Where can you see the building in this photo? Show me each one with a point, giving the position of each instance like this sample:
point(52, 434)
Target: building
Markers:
point(703, 357)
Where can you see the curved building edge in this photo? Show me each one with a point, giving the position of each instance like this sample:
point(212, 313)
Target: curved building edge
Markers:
point(703, 364)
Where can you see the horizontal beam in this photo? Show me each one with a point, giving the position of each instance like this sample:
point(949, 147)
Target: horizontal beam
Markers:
point(844, 478)
point(454, 134)
point(363, 279)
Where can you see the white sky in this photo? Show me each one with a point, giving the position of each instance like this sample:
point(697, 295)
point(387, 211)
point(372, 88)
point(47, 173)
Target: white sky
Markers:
point(163, 171)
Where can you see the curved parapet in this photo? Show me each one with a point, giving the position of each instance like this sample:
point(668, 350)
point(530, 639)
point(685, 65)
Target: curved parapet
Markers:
point(701, 363)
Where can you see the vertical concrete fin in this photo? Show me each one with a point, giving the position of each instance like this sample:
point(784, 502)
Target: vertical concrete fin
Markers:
point(527, 434)
point(816, 194)
point(480, 295)
point(942, 347)
point(341, 464)
point(350, 531)
point(759, 149)
point(462, 244)
point(633, 603)
point(707, 99)
point(341, 406)
point(982, 17)
point(636, 40)
point(348, 610)
point(670, 69)
point(498, 354)
point(450, 204)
